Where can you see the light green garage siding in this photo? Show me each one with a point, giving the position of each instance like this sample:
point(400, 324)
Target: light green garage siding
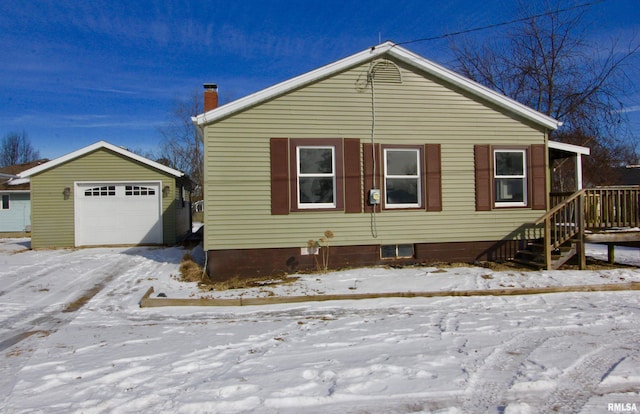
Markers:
point(52, 216)
point(418, 111)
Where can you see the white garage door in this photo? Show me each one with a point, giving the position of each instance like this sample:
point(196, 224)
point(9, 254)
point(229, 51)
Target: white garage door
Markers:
point(118, 213)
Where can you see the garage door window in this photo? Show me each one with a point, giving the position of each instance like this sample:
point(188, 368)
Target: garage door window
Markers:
point(135, 190)
point(104, 191)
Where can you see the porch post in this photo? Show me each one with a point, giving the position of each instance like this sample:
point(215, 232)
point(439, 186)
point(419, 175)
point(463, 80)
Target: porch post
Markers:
point(578, 171)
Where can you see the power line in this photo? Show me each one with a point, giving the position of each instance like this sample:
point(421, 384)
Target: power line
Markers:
point(492, 26)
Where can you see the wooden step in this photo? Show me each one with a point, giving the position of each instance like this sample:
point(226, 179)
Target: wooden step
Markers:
point(534, 256)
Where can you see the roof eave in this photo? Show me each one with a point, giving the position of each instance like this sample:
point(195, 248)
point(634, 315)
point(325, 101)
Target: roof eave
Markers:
point(94, 147)
point(577, 149)
point(289, 85)
point(474, 88)
point(399, 53)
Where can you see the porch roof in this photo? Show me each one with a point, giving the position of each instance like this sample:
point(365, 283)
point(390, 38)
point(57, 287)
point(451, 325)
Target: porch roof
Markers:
point(562, 150)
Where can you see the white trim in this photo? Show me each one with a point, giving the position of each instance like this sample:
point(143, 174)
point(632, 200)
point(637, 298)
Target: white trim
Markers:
point(332, 175)
point(579, 183)
point(391, 49)
point(77, 196)
point(560, 146)
point(524, 177)
point(93, 147)
point(18, 181)
point(4, 175)
point(417, 177)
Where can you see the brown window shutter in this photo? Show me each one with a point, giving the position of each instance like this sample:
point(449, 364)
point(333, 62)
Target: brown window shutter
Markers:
point(279, 176)
point(352, 176)
point(433, 175)
point(482, 157)
point(368, 166)
point(538, 177)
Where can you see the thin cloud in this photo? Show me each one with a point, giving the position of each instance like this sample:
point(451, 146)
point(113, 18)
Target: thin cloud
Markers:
point(629, 109)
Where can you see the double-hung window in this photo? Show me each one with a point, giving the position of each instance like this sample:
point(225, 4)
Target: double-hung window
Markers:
point(402, 178)
point(316, 176)
point(510, 177)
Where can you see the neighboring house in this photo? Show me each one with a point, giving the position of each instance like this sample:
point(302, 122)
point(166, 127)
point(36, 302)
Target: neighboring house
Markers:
point(629, 175)
point(15, 199)
point(105, 195)
point(403, 160)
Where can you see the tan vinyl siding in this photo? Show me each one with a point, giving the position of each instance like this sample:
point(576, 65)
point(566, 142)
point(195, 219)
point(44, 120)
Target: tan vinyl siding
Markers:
point(53, 216)
point(418, 111)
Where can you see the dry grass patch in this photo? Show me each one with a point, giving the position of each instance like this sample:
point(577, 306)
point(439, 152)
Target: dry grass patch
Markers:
point(250, 282)
point(190, 271)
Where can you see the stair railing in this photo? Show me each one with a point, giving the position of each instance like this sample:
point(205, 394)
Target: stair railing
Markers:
point(562, 223)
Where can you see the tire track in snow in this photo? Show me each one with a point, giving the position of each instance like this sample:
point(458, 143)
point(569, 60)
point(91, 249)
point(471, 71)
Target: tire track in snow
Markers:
point(490, 382)
point(51, 320)
point(25, 275)
point(580, 382)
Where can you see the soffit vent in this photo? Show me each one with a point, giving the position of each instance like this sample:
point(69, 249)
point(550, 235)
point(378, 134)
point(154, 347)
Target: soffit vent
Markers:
point(384, 71)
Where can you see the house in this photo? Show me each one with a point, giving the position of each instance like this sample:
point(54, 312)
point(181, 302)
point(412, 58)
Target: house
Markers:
point(15, 199)
point(403, 160)
point(629, 175)
point(106, 195)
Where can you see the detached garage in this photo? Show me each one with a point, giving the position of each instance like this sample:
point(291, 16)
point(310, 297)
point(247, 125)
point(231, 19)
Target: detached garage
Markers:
point(104, 195)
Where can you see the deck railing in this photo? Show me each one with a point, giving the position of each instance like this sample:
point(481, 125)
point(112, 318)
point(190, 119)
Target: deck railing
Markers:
point(608, 207)
point(593, 208)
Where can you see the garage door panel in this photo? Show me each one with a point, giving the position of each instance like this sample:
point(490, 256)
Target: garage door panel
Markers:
point(118, 213)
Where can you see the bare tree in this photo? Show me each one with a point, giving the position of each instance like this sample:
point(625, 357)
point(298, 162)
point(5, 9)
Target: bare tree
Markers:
point(547, 63)
point(181, 147)
point(15, 148)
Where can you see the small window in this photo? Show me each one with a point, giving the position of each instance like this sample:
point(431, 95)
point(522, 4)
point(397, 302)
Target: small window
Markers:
point(181, 196)
point(396, 251)
point(316, 177)
point(510, 179)
point(134, 190)
point(402, 178)
point(104, 191)
point(4, 203)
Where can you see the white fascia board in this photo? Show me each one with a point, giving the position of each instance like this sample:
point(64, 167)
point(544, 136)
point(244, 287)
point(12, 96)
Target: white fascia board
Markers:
point(399, 53)
point(289, 85)
point(96, 146)
point(18, 181)
point(474, 87)
point(3, 175)
point(577, 149)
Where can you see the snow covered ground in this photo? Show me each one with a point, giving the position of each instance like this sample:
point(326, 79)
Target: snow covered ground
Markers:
point(74, 340)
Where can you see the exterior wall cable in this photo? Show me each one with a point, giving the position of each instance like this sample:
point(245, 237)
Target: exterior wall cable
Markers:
point(371, 76)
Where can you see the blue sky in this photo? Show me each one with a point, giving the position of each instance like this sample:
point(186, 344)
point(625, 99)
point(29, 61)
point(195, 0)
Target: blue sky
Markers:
point(74, 73)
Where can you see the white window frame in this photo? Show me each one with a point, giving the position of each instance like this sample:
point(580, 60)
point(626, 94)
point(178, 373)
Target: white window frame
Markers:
point(331, 175)
point(416, 176)
point(137, 190)
point(5, 202)
point(523, 177)
point(101, 191)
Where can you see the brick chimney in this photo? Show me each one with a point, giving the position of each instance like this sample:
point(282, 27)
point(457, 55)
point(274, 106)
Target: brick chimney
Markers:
point(210, 96)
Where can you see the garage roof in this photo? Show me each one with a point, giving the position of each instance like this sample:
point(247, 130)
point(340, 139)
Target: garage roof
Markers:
point(94, 147)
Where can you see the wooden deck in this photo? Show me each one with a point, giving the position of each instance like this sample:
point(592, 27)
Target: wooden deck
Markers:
point(608, 215)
